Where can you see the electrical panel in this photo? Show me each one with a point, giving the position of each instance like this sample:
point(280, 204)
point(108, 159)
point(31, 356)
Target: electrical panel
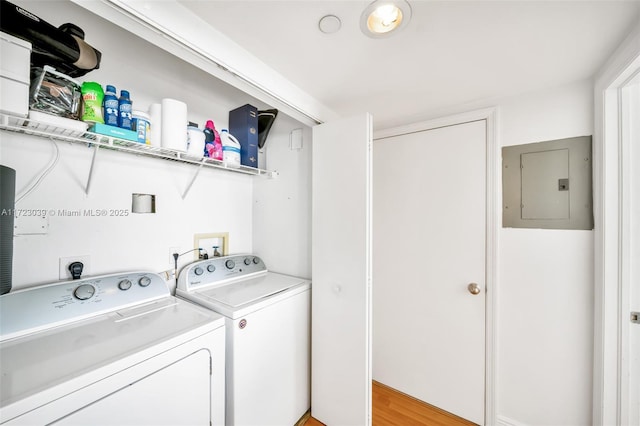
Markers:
point(548, 185)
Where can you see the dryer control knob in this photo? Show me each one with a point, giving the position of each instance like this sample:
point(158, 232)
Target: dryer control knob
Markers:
point(247, 261)
point(124, 285)
point(256, 260)
point(198, 271)
point(230, 264)
point(144, 281)
point(84, 292)
point(211, 268)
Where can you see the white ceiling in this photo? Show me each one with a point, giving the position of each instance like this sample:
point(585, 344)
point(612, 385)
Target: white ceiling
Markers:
point(453, 55)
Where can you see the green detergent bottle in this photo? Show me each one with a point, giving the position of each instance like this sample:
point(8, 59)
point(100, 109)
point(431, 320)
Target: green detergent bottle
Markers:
point(92, 96)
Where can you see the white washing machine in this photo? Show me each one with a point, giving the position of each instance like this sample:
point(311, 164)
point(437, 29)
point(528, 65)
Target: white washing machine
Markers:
point(109, 350)
point(268, 336)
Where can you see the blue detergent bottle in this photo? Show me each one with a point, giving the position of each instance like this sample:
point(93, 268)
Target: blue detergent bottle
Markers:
point(125, 110)
point(110, 105)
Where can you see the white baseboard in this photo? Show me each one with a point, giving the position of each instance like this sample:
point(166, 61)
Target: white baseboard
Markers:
point(505, 421)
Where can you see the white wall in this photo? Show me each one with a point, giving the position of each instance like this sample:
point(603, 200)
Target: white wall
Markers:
point(545, 306)
point(282, 206)
point(219, 201)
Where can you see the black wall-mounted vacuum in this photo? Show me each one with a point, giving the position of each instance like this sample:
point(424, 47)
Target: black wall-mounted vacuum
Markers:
point(7, 206)
point(63, 48)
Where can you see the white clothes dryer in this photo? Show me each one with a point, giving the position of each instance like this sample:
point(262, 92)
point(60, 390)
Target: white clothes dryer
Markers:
point(109, 350)
point(268, 336)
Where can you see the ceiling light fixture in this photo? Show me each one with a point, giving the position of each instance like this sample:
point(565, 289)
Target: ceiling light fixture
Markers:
point(382, 17)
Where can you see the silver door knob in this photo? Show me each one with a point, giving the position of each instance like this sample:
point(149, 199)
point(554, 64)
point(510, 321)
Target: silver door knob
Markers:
point(473, 288)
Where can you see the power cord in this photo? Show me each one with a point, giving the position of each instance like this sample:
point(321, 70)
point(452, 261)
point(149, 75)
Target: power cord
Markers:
point(76, 270)
point(37, 181)
point(175, 261)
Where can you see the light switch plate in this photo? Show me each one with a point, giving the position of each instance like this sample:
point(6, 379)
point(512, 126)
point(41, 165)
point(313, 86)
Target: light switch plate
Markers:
point(295, 139)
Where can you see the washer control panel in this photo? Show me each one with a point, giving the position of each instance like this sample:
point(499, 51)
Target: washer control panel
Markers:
point(49, 305)
point(218, 269)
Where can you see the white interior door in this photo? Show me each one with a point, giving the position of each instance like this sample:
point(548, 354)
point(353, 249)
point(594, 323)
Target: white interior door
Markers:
point(341, 272)
point(634, 283)
point(630, 253)
point(429, 246)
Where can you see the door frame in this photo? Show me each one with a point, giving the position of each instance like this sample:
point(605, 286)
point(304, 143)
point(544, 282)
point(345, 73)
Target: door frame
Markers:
point(611, 286)
point(493, 203)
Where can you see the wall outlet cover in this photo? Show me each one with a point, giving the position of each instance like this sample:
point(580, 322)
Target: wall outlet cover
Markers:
point(31, 225)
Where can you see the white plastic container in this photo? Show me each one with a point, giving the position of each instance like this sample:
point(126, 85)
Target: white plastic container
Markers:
point(230, 149)
point(15, 60)
point(195, 141)
point(142, 124)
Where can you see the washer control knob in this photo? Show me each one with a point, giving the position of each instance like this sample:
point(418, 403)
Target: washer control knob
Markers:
point(230, 264)
point(211, 268)
point(84, 292)
point(124, 285)
point(144, 281)
point(247, 261)
point(198, 271)
point(256, 260)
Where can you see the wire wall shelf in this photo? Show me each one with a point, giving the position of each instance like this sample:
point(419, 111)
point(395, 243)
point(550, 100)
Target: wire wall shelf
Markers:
point(78, 136)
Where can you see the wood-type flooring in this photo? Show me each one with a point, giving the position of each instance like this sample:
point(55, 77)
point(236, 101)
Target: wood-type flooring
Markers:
point(393, 408)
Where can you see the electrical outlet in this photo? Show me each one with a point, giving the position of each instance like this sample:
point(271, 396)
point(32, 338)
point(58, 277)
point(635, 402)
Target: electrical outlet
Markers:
point(172, 250)
point(65, 274)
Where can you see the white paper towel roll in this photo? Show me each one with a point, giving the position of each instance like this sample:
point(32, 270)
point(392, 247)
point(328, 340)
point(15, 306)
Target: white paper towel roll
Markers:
point(174, 124)
point(143, 203)
point(155, 115)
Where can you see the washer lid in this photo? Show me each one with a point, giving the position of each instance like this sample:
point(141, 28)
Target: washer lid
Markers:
point(239, 293)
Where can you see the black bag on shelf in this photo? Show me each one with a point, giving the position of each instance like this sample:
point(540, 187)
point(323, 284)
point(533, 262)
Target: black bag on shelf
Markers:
point(63, 48)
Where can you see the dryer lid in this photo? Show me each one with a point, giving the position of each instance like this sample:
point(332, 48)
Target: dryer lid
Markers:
point(244, 292)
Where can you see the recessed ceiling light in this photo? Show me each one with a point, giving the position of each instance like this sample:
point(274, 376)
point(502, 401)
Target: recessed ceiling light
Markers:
point(382, 17)
point(329, 24)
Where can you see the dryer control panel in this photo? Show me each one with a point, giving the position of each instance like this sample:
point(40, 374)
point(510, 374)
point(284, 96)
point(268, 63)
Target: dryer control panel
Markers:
point(50, 305)
point(219, 269)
